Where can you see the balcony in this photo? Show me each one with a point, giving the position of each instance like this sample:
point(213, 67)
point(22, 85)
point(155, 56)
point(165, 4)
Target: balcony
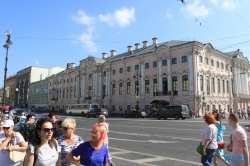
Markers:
point(165, 93)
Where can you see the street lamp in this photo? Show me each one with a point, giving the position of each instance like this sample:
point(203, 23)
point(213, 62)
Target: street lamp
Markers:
point(6, 45)
point(136, 77)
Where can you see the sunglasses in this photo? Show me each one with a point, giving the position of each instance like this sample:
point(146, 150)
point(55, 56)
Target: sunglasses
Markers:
point(66, 128)
point(6, 128)
point(47, 130)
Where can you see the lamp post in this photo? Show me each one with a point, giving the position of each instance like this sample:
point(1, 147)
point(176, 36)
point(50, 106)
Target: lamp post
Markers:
point(136, 77)
point(6, 45)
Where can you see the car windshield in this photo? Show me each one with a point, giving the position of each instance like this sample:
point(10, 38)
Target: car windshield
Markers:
point(19, 111)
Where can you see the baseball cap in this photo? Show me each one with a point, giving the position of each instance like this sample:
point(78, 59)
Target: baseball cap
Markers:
point(8, 123)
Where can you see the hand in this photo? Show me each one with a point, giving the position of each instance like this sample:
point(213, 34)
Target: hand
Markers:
point(204, 151)
point(10, 148)
point(248, 129)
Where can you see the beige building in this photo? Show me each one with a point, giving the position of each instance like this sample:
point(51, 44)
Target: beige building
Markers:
point(10, 90)
point(180, 72)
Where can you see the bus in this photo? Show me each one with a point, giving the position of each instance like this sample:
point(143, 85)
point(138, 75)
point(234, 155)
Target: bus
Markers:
point(80, 109)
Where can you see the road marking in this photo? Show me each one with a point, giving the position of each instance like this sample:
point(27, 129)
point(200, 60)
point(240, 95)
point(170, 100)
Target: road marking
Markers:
point(149, 160)
point(152, 141)
point(120, 158)
point(154, 156)
point(114, 153)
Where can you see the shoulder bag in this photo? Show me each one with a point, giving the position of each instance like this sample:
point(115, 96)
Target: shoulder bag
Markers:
point(221, 145)
point(16, 156)
point(199, 149)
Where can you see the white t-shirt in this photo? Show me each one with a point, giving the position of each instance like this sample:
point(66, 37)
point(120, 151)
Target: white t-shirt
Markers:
point(4, 154)
point(210, 132)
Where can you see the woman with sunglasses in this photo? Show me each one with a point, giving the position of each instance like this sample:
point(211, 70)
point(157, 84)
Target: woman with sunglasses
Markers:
point(44, 150)
point(68, 141)
point(92, 152)
point(7, 141)
point(221, 128)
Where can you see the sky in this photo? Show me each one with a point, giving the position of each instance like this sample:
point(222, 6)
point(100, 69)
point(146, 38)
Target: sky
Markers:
point(53, 33)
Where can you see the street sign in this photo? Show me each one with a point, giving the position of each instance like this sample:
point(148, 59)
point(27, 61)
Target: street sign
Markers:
point(204, 104)
point(137, 97)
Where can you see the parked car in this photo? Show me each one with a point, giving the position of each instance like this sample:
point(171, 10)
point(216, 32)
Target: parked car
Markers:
point(96, 112)
point(135, 114)
point(176, 112)
point(22, 122)
point(46, 115)
point(17, 112)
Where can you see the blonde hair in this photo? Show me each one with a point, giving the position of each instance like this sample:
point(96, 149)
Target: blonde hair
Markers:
point(69, 122)
point(101, 118)
point(101, 128)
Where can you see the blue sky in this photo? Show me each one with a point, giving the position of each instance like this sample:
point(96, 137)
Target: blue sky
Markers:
point(54, 33)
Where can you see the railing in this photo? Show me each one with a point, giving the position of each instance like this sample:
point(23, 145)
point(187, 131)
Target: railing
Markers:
point(165, 93)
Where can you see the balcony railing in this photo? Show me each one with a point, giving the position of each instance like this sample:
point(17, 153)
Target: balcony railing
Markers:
point(165, 93)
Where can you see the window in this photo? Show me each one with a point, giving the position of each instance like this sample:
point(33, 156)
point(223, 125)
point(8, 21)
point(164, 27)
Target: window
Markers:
point(222, 66)
point(146, 65)
point(227, 67)
point(175, 85)
point(128, 107)
point(208, 83)
point(63, 81)
point(128, 87)
point(174, 61)
point(90, 90)
point(201, 82)
point(136, 67)
point(184, 59)
point(136, 87)
point(63, 93)
point(71, 92)
point(207, 61)
point(223, 86)
point(71, 79)
point(113, 89)
point(120, 107)
point(155, 86)
point(121, 70)
point(90, 75)
point(165, 84)
point(67, 80)
point(212, 62)
point(200, 59)
point(120, 88)
point(185, 83)
point(164, 62)
point(213, 85)
point(113, 107)
point(218, 85)
point(154, 64)
point(67, 94)
point(147, 85)
point(128, 69)
point(113, 71)
point(218, 65)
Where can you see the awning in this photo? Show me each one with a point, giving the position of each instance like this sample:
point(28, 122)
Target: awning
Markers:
point(164, 102)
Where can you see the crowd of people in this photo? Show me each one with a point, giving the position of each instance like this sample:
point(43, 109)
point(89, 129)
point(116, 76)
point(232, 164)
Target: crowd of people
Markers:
point(213, 143)
point(54, 143)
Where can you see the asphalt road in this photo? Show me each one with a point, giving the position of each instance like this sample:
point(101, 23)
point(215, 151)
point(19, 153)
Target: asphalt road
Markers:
point(152, 142)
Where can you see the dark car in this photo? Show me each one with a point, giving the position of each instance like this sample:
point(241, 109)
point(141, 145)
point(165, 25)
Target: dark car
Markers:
point(21, 122)
point(135, 114)
point(96, 112)
point(17, 112)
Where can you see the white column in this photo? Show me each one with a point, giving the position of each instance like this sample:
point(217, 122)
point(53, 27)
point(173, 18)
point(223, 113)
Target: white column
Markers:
point(191, 73)
point(247, 86)
point(106, 83)
point(99, 85)
point(198, 75)
point(96, 84)
point(169, 75)
point(235, 81)
point(83, 85)
point(159, 75)
point(109, 79)
point(142, 80)
point(239, 81)
point(77, 87)
point(216, 84)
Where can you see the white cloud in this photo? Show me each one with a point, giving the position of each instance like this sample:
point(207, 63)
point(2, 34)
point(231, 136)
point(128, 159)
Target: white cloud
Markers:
point(226, 4)
point(168, 15)
point(82, 18)
point(87, 40)
point(196, 9)
point(37, 62)
point(122, 17)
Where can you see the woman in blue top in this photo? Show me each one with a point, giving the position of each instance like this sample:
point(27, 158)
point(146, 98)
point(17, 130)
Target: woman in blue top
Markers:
point(221, 128)
point(93, 152)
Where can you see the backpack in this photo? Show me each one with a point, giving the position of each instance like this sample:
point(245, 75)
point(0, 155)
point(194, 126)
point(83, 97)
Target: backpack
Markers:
point(28, 131)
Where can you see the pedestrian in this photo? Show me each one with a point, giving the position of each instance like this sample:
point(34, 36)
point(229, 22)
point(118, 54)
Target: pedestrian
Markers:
point(53, 120)
point(92, 152)
point(8, 140)
point(1, 126)
point(58, 130)
point(44, 150)
point(238, 143)
point(195, 113)
point(69, 140)
point(248, 112)
point(209, 141)
point(224, 113)
point(231, 110)
point(102, 120)
point(243, 113)
point(28, 129)
point(221, 128)
point(239, 112)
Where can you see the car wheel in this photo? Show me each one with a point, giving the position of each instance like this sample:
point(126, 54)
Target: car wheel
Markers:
point(158, 116)
point(176, 117)
point(183, 118)
point(82, 113)
point(87, 115)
